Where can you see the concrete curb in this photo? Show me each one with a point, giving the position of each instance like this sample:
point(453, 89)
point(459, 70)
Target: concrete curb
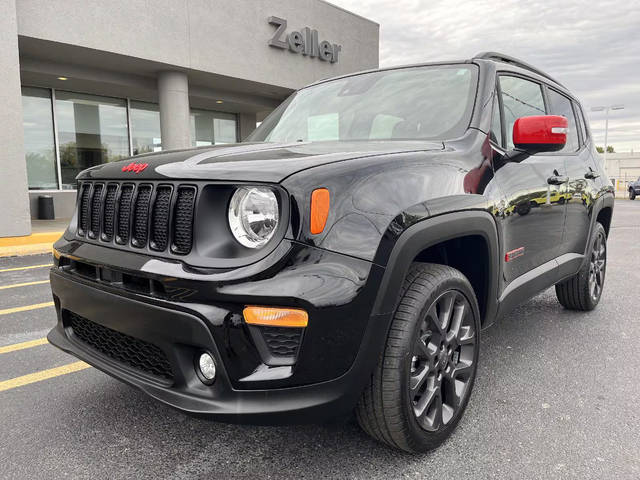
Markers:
point(28, 245)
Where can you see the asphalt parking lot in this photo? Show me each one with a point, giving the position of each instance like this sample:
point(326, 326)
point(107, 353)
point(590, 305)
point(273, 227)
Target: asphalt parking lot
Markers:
point(557, 396)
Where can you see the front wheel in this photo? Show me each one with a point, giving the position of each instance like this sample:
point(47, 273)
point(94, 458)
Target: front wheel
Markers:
point(584, 289)
point(422, 383)
point(632, 194)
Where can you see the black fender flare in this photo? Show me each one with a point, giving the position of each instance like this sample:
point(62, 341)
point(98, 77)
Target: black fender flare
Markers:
point(606, 200)
point(432, 231)
point(603, 201)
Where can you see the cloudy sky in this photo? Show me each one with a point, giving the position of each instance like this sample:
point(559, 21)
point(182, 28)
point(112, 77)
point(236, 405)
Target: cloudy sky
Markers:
point(592, 47)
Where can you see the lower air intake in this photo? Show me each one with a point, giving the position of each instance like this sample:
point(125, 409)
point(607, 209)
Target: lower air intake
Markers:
point(125, 349)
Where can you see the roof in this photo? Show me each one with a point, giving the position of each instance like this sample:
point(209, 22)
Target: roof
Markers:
point(514, 63)
point(501, 57)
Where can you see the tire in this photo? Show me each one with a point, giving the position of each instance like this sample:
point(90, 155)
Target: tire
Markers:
point(584, 289)
point(632, 194)
point(418, 354)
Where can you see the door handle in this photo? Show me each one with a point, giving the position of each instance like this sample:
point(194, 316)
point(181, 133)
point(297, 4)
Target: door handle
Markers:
point(557, 180)
point(591, 175)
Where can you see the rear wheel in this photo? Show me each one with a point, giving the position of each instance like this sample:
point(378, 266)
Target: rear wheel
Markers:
point(584, 289)
point(424, 378)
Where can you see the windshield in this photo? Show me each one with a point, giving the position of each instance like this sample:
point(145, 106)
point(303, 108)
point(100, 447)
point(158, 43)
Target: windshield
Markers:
point(414, 103)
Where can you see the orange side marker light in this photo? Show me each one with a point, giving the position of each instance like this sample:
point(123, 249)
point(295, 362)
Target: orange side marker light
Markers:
point(275, 317)
point(320, 200)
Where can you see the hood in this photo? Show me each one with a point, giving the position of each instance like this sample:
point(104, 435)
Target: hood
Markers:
point(253, 162)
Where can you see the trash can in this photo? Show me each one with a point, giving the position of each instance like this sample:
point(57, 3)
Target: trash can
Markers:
point(45, 208)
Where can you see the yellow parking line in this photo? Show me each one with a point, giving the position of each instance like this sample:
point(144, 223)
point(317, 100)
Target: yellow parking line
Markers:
point(42, 375)
point(7, 311)
point(26, 284)
point(23, 345)
point(15, 269)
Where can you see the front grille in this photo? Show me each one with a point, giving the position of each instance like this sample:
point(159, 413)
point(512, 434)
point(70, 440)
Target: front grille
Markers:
point(282, 341)
point(138, 215)
point(125, 349)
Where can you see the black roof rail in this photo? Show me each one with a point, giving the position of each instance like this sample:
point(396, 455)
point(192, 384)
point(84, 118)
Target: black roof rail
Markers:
point(501, 57)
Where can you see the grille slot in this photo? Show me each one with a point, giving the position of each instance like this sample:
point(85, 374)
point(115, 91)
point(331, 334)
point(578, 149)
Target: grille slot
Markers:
point(282, 341)
point(183, 221)
point(96, 210)
point(141, 217)
point(124, 214)
point(130, 351)
point(160, 218)
point(83, 217)
point(109, 212)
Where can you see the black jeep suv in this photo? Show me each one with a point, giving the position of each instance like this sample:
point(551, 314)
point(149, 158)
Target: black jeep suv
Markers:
point(347, 255)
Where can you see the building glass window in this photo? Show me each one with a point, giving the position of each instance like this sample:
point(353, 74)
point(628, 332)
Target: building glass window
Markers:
point(38, 138)
point(145, 127)
point(92, 130)
point(212, 128)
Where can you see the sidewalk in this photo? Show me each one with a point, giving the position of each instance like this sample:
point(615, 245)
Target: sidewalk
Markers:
point(43, 235)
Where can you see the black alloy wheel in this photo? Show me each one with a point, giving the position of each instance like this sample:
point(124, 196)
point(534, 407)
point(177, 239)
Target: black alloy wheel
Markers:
point(421, 386)
point(443, 360)
point(583, 290)
point(597, 266)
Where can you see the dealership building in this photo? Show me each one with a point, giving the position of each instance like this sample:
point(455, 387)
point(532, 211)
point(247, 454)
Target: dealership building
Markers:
point(87, 82)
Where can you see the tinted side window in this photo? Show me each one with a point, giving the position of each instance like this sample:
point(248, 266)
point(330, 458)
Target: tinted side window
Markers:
point(496, 126)
point(583, 124)
point(561, 105)
point(520, 98)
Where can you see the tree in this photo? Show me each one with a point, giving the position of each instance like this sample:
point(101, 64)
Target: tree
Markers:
point(610, 149)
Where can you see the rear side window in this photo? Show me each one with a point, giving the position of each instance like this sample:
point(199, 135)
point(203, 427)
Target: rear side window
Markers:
point(520, 98)
point(583, 124)
point(496, 125)
point(561, 105)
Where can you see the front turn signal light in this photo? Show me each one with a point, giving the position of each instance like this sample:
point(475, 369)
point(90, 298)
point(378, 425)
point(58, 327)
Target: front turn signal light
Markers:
point(275, 317)
point(320, 200)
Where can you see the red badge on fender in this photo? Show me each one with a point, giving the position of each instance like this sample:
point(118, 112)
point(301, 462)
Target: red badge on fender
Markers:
point(135, 167)
point(518, 252)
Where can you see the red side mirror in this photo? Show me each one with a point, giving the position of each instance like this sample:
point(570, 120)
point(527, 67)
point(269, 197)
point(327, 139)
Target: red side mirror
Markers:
point(542, 133)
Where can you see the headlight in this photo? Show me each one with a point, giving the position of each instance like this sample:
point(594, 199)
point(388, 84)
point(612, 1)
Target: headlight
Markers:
point(253, 215)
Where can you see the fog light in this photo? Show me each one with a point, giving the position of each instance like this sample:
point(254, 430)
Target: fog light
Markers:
point(207, 367)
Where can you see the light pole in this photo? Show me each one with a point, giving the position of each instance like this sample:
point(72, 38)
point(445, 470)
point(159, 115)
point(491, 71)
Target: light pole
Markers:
point(606, 124)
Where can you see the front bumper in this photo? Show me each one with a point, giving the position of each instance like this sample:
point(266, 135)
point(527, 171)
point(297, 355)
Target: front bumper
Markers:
point(246, 389)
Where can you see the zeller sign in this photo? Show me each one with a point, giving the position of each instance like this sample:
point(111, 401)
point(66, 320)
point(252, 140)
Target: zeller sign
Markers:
point(305, 42)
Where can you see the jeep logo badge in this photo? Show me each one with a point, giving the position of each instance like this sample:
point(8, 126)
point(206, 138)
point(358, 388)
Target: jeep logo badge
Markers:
point(135, 167)
point(305, 42)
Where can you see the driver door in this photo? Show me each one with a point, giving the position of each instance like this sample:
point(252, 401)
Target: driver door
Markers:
point(533, 213)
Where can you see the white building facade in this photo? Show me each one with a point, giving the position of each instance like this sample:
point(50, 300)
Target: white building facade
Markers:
point(88, 82)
